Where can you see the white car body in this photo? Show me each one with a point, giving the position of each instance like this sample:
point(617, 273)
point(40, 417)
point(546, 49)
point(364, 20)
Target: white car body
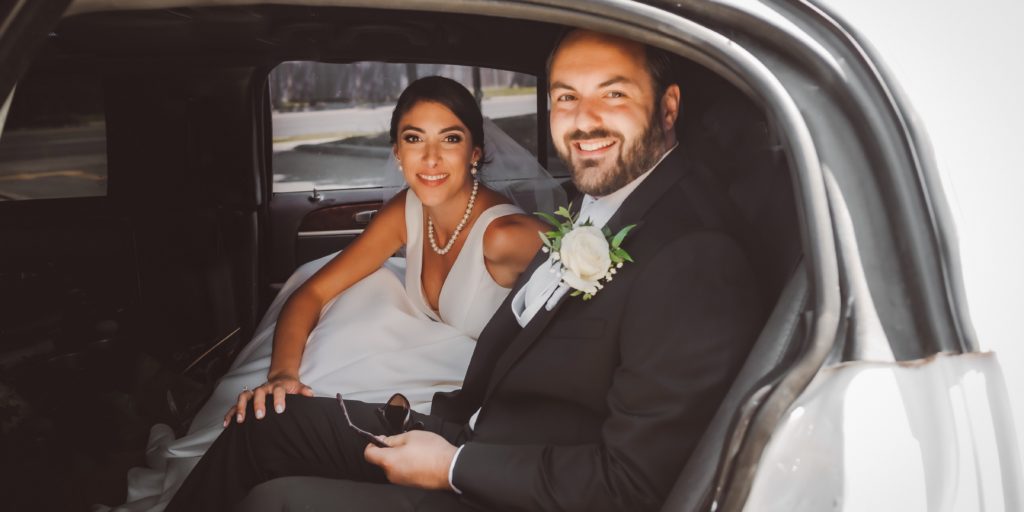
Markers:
point(966, 92)
point(880, 435)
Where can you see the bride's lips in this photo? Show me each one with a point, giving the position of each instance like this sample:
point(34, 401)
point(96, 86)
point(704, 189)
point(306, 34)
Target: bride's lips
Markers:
point(432, 180)
point(593, 147)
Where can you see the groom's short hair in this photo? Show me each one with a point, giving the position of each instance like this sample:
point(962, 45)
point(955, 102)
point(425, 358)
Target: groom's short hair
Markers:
point(658, 64)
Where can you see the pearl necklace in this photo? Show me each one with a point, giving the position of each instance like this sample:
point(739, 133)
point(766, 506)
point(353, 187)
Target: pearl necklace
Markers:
point(458, 229)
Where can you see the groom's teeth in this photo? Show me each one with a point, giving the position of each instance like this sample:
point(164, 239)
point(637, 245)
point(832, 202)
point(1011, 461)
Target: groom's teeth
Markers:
point(594, 146)
point(433, 177)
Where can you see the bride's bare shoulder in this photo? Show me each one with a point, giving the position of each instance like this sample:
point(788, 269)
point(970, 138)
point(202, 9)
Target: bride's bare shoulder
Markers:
point(512, 239)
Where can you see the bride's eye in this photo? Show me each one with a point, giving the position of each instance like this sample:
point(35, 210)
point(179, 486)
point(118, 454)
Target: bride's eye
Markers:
point(453, 138)
point(411, 138)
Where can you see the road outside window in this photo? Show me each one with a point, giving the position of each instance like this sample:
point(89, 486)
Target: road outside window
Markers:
point(330, 121)
point(54, 139)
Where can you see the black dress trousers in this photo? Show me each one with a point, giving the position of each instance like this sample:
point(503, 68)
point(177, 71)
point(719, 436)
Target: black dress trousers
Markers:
point(310, 438)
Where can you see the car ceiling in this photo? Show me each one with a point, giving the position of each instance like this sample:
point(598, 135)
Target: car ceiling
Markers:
point(271, 34)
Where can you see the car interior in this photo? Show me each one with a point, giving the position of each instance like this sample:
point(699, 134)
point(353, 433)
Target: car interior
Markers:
point(123, 300)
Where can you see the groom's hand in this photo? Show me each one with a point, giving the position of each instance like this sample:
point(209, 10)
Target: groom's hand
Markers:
point(414, 459)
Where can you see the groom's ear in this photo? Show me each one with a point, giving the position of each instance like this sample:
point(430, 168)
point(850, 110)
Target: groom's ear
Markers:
point(669, 105)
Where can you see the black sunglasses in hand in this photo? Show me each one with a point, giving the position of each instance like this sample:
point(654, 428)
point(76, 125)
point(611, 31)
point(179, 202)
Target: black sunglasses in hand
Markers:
point(396, 416)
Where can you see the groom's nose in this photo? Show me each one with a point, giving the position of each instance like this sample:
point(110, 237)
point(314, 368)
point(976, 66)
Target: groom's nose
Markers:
point(588, 115)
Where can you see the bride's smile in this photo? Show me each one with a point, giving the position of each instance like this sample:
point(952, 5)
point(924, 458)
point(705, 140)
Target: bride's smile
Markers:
point(433, 180)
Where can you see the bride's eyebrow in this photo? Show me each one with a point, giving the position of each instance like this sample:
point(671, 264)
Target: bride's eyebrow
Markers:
point(454, 127)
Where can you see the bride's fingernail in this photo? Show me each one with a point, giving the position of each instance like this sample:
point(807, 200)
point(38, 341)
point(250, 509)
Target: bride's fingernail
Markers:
point(279, 408)
point(259, 414)
point(225, 423)
point(238, 417)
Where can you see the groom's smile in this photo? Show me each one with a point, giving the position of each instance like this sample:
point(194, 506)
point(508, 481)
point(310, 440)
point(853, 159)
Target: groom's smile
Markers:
point(590, 149)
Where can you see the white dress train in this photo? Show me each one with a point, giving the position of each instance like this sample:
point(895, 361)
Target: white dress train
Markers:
point(377, 338)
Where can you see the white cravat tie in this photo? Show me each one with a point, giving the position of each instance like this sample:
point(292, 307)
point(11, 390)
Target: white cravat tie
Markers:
point(545, 287)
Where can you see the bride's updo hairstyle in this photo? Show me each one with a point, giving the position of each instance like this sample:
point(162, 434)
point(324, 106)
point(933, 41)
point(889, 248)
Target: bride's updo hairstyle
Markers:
point(453, 95)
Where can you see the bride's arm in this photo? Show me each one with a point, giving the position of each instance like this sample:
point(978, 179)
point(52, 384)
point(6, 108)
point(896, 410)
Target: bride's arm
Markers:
point(510, 243)
point(380, 240)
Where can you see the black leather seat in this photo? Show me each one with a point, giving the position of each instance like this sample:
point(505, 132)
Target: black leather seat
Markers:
point(778, 342)
point(732, 137)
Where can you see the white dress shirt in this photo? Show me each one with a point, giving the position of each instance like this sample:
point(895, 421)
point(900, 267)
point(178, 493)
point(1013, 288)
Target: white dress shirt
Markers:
point(545, 289)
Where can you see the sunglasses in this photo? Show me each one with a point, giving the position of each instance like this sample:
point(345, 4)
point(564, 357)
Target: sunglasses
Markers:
point(395, 415)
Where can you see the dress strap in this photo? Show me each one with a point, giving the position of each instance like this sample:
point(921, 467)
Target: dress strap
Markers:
point(494, 212)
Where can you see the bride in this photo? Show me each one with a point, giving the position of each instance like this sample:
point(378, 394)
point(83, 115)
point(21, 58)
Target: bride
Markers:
point(348, 323)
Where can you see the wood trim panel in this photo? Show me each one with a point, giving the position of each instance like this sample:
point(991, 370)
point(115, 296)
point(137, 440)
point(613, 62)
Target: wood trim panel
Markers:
point(335, 218)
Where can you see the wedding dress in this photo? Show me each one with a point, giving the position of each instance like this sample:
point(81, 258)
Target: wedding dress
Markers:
point(376, 338)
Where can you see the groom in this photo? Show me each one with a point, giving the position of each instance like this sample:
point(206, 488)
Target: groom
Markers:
point(567, 404)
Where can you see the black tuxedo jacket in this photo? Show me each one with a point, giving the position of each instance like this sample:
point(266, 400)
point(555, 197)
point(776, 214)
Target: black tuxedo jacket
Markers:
point(596, 405)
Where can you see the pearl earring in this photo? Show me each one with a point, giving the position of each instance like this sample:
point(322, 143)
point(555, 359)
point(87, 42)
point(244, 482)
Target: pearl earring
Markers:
point(474, 170)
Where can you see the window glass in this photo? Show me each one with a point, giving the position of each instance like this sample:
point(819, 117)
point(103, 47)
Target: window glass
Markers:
point(330, 121)
point(54, 140)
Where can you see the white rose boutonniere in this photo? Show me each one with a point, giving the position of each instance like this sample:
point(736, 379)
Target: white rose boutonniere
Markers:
point(583, 255)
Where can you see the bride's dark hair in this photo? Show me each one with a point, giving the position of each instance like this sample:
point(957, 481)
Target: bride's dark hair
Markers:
point(453, 95)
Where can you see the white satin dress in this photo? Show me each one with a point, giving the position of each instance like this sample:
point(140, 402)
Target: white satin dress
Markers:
point(377, 338)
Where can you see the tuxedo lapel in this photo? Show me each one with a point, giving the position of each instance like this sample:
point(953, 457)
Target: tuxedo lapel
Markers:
point(633, 209)
point(523, 341)
point(671, 169)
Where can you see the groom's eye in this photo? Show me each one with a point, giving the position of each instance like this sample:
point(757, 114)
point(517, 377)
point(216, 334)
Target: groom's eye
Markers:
point(565, 97)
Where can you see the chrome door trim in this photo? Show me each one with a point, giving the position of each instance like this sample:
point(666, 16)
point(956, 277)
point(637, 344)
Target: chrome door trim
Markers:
point(335, 232)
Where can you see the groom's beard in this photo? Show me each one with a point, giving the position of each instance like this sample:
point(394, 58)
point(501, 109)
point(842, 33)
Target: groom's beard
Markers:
point(632, 161)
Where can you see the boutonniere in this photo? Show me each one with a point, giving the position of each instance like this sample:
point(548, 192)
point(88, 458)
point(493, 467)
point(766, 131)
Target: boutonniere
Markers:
point(583, 255)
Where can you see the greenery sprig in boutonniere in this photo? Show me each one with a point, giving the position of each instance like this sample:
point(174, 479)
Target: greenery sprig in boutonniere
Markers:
point(583, 255)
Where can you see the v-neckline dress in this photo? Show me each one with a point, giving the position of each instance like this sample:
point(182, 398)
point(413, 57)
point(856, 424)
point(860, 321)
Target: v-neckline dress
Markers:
point(469, 294)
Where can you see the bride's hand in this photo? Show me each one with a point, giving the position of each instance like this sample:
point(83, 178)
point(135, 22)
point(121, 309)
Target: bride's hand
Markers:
point(278, 387)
